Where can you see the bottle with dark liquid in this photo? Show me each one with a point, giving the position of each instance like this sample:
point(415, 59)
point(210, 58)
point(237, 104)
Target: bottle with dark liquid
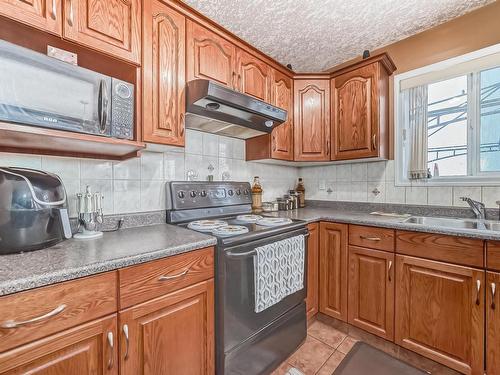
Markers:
point(256, 195)
point(301, 190)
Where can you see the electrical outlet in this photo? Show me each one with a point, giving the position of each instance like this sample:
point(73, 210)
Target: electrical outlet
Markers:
point(322, 185)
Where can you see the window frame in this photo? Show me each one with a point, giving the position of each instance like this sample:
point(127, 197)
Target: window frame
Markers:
point(474, 175)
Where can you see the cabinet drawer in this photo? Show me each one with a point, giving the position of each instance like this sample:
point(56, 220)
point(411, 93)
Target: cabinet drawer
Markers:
point(30, 315)
point(493, 255)
point(372, 237)
point(146, 281)
point(459, 250)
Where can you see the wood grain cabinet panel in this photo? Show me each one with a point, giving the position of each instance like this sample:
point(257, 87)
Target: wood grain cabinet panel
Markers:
point(254, 76)
point(440, 312)
point(372, 237)
point(45, 15)
point(88, 349)
point(210, 56)
point(312, 120)
point(109, 26)
point(333, 272)
point(172, 334)
point(282, 135)
point(163, 62)
point(493, 255)
point(492, 323)
point(312, 270)
point(371, 291)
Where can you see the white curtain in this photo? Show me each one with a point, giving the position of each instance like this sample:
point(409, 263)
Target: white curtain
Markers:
point(417, 126)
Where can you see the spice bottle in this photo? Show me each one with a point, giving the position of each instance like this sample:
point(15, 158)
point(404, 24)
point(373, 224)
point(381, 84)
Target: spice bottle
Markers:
point(301, 190)
point(256, 195)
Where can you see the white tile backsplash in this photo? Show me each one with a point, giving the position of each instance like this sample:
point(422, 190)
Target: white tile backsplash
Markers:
point(96, 169)
point(126, 196)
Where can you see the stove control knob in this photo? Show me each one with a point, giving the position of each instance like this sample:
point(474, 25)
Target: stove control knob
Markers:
point(203, 193)
point(181, 194)
point(231, 193)
point(192, 194)
point(238, 192)
point(246, 192)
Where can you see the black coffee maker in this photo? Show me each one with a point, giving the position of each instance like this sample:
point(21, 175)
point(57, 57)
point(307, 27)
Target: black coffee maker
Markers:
point(33, 210)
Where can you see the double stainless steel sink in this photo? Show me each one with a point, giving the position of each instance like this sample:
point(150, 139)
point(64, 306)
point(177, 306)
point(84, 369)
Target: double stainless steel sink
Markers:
point(455, 223)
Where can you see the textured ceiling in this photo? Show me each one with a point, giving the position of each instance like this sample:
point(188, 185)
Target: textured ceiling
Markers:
point(314, 35)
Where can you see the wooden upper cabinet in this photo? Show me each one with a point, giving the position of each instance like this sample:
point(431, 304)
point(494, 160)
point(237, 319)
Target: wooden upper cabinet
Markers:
point(333, 270)
point(312, 120)
point(45, 15)
point(163, 63)
point(312, 270)
point(88, 349)
point(360, 109)
point(493, 323)
point(109, 26)
point(172, 334)
point(209, 56)
point(282, 135)
point(253, 76)
point(440, 312)
point(371, 291)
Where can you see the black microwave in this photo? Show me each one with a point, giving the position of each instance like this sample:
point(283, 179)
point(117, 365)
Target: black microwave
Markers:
point(39, 90)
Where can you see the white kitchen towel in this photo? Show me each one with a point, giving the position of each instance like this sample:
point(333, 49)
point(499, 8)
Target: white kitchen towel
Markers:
point(278, 271)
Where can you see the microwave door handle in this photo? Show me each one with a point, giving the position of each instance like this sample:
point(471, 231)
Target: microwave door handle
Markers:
point(103, 105)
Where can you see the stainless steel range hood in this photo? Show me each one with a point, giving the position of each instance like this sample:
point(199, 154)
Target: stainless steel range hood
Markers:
point(217, 109)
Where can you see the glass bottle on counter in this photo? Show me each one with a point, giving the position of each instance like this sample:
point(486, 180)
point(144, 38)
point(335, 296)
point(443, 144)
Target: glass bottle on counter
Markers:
point(301, 190)
point(256, 195)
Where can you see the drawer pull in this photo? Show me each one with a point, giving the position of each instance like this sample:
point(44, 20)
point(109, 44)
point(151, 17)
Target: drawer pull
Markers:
point(167, 277)
point(13, 324)
point(389, 270)
point(493, 291)
point(370, 238)
point(111, 350)
point(478, 285)
point(125, 333)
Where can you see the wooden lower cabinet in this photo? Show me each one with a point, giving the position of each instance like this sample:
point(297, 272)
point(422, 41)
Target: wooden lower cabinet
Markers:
point(492, 323)
point(440, 312)
point(171, 334)
point(88, 349)
point(312, 270)
point(371, 291)
point(333, 270)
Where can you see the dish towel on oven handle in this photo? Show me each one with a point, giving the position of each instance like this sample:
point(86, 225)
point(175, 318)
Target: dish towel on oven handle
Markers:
point(278, 271)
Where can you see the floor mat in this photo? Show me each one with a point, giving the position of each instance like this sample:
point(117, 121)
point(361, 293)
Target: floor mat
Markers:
point(364, 359)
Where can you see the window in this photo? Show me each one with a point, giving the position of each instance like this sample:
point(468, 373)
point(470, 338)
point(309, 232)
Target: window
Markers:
point(448, 121)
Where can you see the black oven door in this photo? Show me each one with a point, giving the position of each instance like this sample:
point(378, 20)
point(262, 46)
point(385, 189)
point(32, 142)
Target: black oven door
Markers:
point(42, 91)
point(236, 317)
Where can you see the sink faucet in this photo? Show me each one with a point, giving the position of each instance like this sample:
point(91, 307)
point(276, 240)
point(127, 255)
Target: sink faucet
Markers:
point(477, 207)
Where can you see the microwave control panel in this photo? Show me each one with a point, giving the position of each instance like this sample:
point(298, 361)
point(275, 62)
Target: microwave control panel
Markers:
point(122, 109)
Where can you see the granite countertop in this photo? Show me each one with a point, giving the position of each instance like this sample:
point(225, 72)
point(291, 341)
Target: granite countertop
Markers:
point(313, 214)
point(77, 258)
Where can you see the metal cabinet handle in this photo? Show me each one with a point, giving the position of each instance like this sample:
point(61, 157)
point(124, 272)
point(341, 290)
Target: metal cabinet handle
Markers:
point(54, 10)
point(274, 143)
point(370, 238)
point(8, 324)
point(125, 333)
point(328, 147)
point(493, 291)
point(70, 16)
point(374, 141)
point(167, 277)
point(389, 271)
point(478, 285)
point(111, 350)
point(234, 80)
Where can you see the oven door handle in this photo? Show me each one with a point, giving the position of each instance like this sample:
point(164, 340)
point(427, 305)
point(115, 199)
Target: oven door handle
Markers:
point(247, 254)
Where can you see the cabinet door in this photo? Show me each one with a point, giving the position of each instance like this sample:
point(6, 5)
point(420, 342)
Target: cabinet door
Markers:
point(312, 270)
point(164, 32)
point(254, 76)
point(312, 120)
point(355, 114)
point(88, 349)
point(371, 291)
point(440, 312)
point(170, 335)
point(109, 26)
point(493, 323)
point(210, 56)
point(42, 14)
point(282, 135)
point(333, 270)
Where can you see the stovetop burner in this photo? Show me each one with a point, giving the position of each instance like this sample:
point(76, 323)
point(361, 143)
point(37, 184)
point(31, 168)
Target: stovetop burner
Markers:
point(230, 230)
point(273, 221)
point(206, 225)
point(249, 218)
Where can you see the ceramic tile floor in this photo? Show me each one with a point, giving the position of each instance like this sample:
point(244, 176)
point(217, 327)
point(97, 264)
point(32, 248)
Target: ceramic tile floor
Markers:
point(329, 340)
